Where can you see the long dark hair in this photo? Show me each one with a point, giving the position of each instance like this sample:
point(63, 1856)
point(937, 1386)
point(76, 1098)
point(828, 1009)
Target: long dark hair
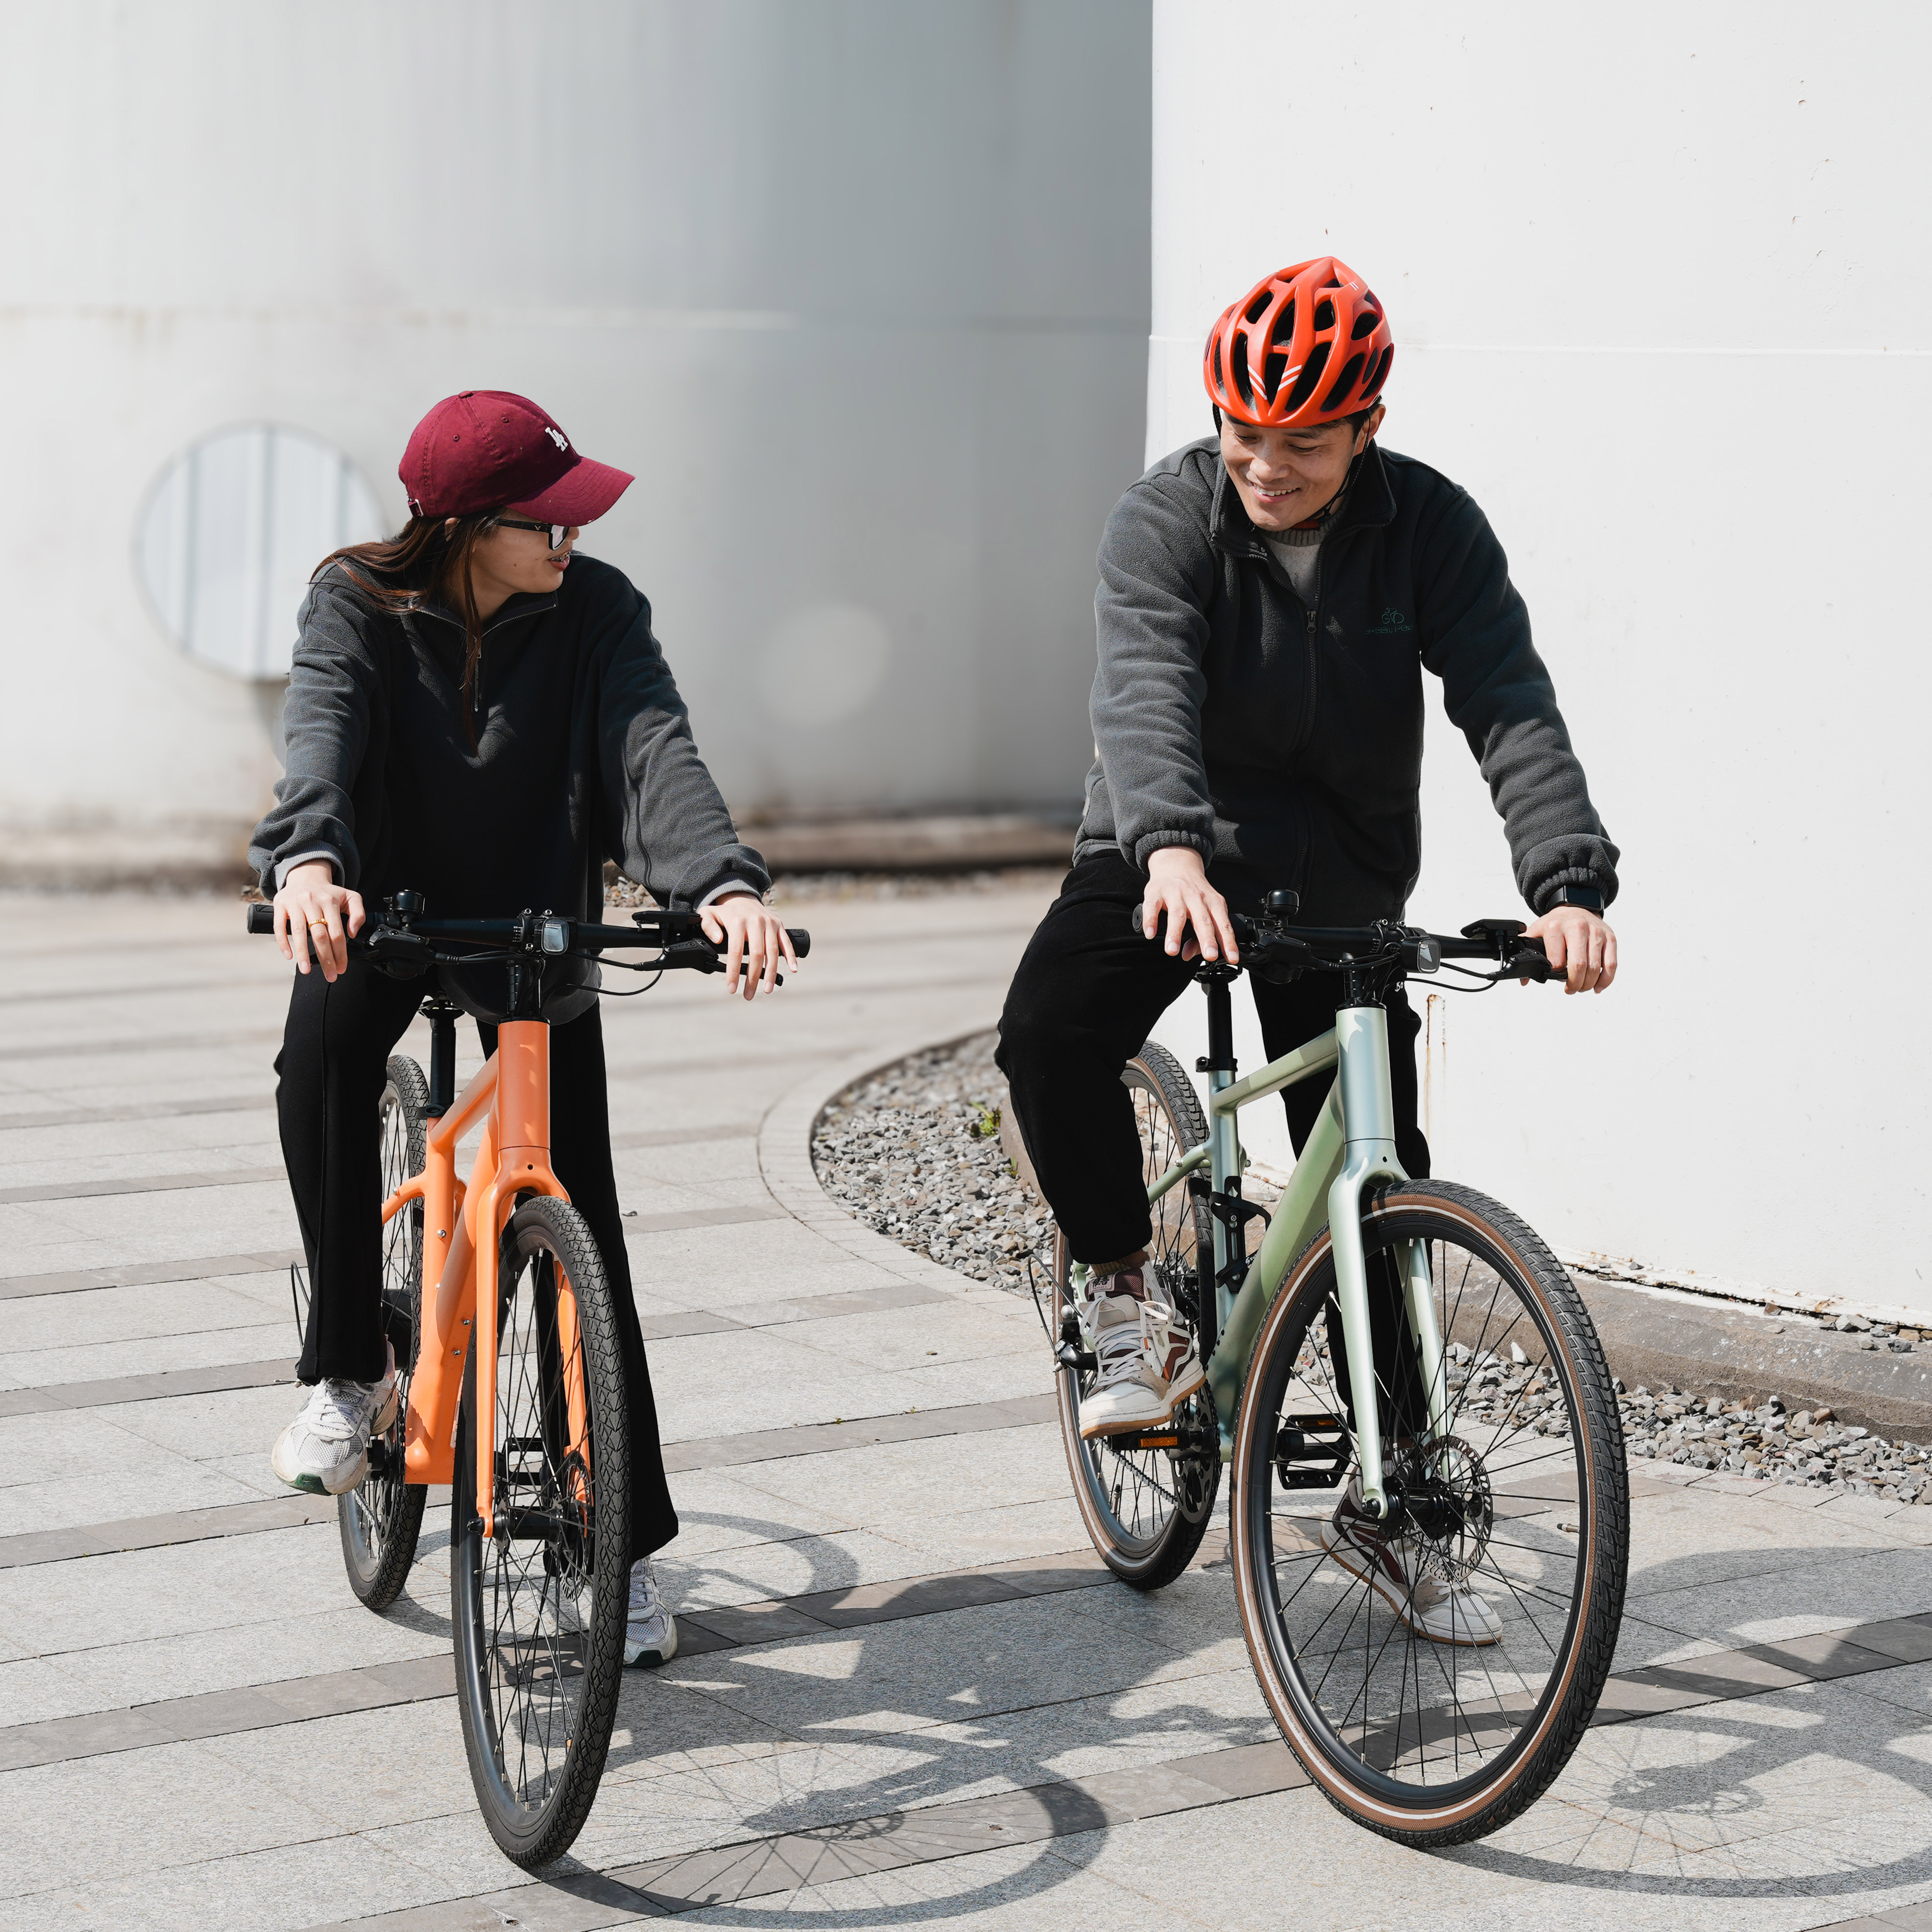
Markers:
point(426, 562)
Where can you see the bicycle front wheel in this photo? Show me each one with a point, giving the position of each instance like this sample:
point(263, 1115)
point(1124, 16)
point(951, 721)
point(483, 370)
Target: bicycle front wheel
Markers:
point(1147, 1496)
point(1433, 1672)
point(538, 1605)
point(381, 1518)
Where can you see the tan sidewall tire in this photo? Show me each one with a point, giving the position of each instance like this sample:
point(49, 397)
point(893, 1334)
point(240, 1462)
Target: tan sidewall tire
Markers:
point(1558, 1717)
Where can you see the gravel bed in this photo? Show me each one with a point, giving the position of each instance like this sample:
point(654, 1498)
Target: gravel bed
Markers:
point(1810, 1447)
point(914, 1153)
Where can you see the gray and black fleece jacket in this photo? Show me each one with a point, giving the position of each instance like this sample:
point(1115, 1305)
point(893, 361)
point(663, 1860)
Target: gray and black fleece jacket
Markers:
point(1286, 739)
point(582, 751)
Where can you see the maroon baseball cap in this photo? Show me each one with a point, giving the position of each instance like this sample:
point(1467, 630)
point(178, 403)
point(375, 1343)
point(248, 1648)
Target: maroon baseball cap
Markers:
point(485, 449)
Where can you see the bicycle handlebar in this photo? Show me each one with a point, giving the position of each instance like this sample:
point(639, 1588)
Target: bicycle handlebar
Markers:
point(1273, 942)
point(680, 935)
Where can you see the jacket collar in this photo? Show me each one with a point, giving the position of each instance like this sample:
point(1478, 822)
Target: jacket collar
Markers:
point(1371, 503)
point(524, 604)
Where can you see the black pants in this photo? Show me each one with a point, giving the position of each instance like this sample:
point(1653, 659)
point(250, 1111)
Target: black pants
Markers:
point(334, 1050)
point(1088, 990)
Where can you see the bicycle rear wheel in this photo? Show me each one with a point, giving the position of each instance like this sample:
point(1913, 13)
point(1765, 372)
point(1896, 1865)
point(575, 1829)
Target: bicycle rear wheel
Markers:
point(381, 1518)
point(1509, 1539)
point(1147, 1497)
point(538, 1607)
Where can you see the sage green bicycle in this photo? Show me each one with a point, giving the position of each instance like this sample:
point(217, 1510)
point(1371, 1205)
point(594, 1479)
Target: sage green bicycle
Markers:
point(1430, 1517)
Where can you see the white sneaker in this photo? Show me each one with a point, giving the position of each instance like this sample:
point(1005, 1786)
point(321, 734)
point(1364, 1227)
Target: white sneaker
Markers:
point(1444, 1610)
point(1148, 1365)
point(650, 1631)
point(325, 1449)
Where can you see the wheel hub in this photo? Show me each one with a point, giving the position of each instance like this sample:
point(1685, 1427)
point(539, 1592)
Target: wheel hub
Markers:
point(1446, 1503)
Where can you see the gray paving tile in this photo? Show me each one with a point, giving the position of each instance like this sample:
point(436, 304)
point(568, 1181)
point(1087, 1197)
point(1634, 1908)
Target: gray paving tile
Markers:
point(917, 1596)
point(153, 1184)
point(1905, 1639)
point(134, 1274)
point(1248, 1771)
point(248, 1891)
point(752, 1623)
point(157, 1386)
point(33, 1547)
point(1828, 1654)
point(764, 1445)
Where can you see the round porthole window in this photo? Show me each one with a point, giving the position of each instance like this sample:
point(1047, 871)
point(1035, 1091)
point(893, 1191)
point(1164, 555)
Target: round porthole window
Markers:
point(232, 530)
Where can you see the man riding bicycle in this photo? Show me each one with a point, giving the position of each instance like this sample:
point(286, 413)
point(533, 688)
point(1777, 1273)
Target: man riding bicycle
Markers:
point(1269, 597)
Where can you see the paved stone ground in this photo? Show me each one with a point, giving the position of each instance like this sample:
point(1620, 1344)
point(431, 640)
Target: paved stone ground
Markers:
point(906, 1699)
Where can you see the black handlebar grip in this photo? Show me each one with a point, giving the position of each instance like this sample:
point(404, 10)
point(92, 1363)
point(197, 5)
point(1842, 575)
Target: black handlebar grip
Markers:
point(801, 940)
point(262, 920)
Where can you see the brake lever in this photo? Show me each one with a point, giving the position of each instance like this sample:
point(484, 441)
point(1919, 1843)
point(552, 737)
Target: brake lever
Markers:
point(1535, 966)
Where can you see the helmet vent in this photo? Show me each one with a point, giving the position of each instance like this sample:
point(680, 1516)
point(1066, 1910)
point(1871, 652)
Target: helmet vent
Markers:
point(1325, 313)
point(1332, 282)
point(1311, 374)
point(1238, 358)
point(1256, 309)
point(1271, 374)
point(1365, 324)
point(1373, 386)
point(1345, 382)
point(1214, 354)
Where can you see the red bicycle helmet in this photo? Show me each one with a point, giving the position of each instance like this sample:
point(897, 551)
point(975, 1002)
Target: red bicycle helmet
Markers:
point(1308, 345)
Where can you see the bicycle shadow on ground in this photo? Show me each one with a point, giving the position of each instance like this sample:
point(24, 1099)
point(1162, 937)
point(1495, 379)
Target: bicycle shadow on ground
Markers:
point(871, 1723)
point(1818, 1791)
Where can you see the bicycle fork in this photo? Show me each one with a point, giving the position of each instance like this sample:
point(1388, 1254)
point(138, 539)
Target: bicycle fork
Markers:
point(1368, 1155)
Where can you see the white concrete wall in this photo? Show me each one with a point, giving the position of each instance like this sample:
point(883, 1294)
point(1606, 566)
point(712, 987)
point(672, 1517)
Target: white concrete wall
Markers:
point(857, 287)
point(1659, 281)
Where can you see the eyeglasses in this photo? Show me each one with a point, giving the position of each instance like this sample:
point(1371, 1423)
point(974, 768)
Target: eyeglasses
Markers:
point(556, 532)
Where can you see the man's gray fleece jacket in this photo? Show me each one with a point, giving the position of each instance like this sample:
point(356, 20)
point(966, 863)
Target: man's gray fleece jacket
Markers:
point(581, 751)
point(1287, 739)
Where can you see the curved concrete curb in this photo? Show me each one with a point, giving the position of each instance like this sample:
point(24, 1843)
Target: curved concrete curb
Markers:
point(784, 1160)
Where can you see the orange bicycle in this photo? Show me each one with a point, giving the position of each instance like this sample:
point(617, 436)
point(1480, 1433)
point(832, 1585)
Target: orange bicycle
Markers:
point(528, 1426)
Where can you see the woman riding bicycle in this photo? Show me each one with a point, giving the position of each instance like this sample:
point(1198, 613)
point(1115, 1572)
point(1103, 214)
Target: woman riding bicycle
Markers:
point(477, 713)
point(1269, 597)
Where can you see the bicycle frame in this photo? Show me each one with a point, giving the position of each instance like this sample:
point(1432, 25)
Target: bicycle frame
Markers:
point(463, 1233)
point(1351, 1147)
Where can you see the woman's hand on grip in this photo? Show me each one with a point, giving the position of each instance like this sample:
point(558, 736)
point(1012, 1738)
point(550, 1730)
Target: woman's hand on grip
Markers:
point(313, 914)
point(755, 942)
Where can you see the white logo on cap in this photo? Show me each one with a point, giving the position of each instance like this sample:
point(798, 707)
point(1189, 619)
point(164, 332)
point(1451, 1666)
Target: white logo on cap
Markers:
point(556, 436)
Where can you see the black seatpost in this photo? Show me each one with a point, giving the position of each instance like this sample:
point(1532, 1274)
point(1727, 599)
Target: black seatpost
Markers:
point(1219, 1057)
point(442, 1055)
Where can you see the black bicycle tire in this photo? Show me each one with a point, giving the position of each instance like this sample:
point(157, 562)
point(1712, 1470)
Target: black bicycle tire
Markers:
point(1604, 1502)
point(377, 1584)
point(544, 1836)
point(1149, 1563)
